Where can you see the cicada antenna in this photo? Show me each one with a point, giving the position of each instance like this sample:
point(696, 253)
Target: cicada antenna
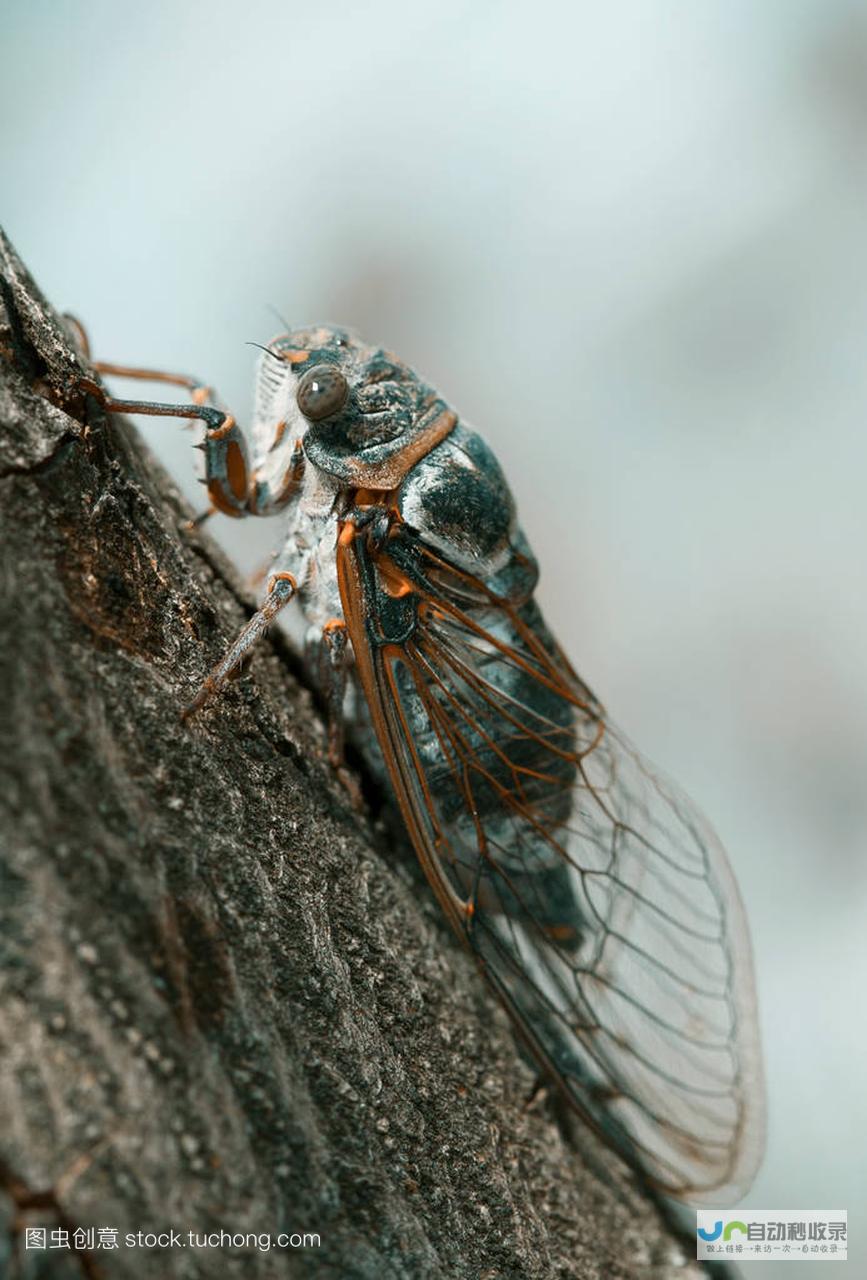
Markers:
point(274, 312)
point(267, 350)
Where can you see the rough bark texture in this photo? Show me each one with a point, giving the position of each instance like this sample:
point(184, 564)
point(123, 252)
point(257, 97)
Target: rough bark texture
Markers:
point(228, 1001)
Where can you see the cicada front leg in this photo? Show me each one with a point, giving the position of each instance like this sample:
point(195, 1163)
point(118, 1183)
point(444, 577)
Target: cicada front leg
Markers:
point(227, 468)
point(200, 394)
point(233, 488)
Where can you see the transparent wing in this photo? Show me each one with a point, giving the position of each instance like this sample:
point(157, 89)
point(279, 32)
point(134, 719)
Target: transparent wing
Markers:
point(598, 900)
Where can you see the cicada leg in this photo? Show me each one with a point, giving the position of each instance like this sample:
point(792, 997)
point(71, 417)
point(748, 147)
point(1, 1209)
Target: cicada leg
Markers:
point(332, 675)
point(233, 488)
point(333, 670)
point(281, 588)
point(227, 469)
point(200, 392)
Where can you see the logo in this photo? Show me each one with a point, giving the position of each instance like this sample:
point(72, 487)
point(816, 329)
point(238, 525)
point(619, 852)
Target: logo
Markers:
point(774, 1235)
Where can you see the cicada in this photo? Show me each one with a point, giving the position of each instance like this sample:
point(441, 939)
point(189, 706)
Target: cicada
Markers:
point(598, 901)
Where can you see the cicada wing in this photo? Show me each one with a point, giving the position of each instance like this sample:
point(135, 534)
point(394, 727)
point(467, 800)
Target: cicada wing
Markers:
point(598, 900)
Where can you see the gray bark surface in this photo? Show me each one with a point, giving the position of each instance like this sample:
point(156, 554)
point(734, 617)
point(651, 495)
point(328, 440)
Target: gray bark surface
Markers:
point(227, 1001)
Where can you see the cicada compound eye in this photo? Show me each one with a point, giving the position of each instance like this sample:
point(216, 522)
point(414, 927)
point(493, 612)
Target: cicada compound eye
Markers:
point(322, 391)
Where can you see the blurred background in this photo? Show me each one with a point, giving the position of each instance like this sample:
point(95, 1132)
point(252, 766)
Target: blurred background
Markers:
point(627, 241)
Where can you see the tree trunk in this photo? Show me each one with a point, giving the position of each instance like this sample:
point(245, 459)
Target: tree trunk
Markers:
point(228, 1002)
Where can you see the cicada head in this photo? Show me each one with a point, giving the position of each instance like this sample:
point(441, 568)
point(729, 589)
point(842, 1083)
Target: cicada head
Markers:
point(363, 416)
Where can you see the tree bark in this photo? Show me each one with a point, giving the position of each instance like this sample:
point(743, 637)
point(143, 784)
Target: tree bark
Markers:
point(228, 1001)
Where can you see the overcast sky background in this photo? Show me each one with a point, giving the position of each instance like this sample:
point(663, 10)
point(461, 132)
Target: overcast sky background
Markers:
point(627, 241)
